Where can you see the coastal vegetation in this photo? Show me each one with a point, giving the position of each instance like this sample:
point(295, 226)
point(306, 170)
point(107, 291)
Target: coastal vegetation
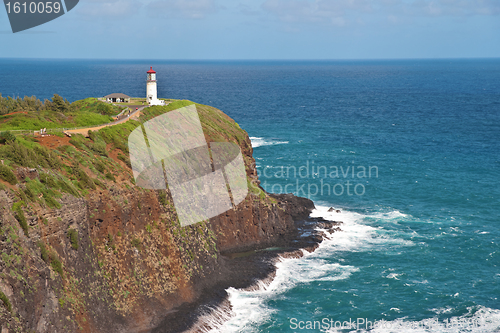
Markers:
point(29, 113)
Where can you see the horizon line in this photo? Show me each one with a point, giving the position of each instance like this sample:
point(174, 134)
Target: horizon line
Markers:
point(259, 59)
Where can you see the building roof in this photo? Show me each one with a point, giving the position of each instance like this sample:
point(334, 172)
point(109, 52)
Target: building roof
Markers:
point(117, 95)
point(151, 71)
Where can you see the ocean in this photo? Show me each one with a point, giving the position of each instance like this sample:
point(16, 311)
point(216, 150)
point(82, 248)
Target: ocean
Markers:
point(407, 150)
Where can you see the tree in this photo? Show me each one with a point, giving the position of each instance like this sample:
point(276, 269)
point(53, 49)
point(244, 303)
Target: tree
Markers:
point(59, 104)
point(7, 137)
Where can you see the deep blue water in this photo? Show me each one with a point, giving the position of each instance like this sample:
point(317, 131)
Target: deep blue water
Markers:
point(420, 240)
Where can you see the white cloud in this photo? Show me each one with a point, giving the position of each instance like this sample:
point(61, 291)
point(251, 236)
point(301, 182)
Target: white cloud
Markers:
point(341, 12)
point(453, 7)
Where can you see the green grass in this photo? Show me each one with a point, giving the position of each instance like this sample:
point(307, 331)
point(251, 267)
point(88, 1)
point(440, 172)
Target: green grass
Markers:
point(31, 156)
point(94, 105)
point(56, 114)
point(6, 301)
point(50, 119)
point(35, 190)
point(43, 252)
point(136, 243)
point(56, 264)
point(73, 238)
point(118, 134)
point(8, 175)
point(17, 208)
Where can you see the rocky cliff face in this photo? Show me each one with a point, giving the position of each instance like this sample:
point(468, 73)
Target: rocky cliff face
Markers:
point(84, 250)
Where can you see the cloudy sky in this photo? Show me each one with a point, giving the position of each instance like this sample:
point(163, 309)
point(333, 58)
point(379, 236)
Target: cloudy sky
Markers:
point(263, 29)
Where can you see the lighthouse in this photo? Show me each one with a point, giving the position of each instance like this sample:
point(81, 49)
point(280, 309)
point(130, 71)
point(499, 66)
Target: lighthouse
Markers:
point(151, 90)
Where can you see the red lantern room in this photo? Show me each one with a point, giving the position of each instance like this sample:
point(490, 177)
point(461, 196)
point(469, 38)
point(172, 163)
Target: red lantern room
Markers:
point(151, 74)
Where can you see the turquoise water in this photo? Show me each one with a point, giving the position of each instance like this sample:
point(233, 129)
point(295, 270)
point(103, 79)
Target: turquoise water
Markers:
point(419, 249)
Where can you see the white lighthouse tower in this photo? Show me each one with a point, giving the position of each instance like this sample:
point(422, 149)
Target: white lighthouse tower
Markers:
point(151, 91)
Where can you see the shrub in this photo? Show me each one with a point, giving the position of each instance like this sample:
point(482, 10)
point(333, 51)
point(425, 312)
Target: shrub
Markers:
point(43, 252)
point(7, 175)
point(136, 243)
point(68, 187)
point(125, 159)
point(99, 183)
point(34, 188)
point(110, 176)
point(99, 166)
point(48, 180)
point(162, 197)
point(73, 238)
point(17, 208)
point(55, 263)
point(84, 180)
point(6, 301)
point(7, 137)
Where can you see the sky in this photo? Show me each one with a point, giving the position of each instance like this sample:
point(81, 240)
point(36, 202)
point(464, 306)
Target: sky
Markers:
point(262, 29)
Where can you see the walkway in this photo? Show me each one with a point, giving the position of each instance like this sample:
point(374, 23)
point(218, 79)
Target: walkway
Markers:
point(85, 131)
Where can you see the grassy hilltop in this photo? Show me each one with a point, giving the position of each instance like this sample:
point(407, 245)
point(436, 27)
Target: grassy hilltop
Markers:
point(29, 113)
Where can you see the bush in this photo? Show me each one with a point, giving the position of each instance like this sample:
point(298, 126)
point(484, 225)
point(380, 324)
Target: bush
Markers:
point(67, 187)
point(7, 175)
point(136, 243)
point(84, 180)
point(51, 258)
point(7, 137)
point(6, 301)
point(73, 238)
point(110, 176)
point(34, 188)
point(99, 166)
point(162, 197)
point(17, 208)
point(43, 252)
point(125, 159)
point(55, 263)
point(48, 180)
point(31, 157)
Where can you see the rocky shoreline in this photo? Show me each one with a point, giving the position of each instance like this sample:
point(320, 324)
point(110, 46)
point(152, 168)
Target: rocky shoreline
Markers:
point(248, 270)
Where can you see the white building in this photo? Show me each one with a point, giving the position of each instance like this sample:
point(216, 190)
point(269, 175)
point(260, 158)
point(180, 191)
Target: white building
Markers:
point(151, 90)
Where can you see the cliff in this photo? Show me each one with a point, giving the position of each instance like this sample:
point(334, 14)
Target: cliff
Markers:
point(85, 250)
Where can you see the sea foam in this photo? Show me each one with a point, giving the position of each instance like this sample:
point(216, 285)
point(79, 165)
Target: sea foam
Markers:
point(258, 142)
point(248, 308)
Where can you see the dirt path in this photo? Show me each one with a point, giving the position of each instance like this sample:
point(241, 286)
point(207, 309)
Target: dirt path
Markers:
point(85, 131)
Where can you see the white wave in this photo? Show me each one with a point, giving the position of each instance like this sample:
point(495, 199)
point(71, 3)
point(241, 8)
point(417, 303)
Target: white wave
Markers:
point(484, 320)
point(355, 235)
point(258, 142)
point(393, 276)
point(249, 309)
point(392, 215)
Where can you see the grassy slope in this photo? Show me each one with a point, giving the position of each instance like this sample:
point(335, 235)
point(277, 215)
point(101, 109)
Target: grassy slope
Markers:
point(87, 112)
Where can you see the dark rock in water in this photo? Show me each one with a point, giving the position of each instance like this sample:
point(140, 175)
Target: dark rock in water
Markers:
point(338, 211)
point(299, 208)
point(331, 209)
